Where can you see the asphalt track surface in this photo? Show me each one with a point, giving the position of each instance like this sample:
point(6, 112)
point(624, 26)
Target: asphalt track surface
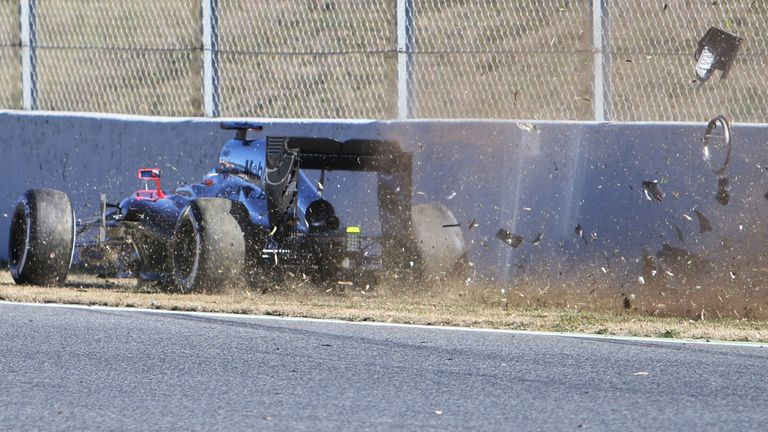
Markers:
point(76, 368)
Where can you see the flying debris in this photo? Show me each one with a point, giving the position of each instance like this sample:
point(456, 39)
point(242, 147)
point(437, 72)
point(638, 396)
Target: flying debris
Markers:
point(510, 239)
point(652, 191)
point(537, 240)
point(717, 50)
point(627, 301)
point(580, 233)
point(704, 225)
point(679, 233)
point(709, 147)
point(722, 196)
point(528, 127)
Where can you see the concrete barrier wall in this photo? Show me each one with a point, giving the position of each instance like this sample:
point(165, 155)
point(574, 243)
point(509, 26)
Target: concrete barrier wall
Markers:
point(573, 191)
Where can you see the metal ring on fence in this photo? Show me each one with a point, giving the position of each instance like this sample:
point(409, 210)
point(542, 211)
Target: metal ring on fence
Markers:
point(723, 122)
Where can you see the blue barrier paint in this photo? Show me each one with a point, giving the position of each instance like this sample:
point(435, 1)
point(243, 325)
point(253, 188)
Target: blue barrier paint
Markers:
point(538, 180)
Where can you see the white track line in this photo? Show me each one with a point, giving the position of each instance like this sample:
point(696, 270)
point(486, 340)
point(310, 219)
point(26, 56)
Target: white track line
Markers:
point(386, 324)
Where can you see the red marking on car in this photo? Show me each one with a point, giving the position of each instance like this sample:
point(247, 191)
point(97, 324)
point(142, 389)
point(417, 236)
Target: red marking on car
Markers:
point(153, 175)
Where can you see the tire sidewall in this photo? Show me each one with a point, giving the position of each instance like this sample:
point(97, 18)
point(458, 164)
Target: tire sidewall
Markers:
point(218, 246)
point(439, 240)
point(43, 252)
point(23, 211)
point(186, 282)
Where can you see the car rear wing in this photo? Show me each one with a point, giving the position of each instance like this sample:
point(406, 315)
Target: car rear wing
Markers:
point(350, 155)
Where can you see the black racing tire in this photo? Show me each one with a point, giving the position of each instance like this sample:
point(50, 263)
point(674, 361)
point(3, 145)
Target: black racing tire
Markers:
point(42, 238)
point(439, 240)
point(208, 247)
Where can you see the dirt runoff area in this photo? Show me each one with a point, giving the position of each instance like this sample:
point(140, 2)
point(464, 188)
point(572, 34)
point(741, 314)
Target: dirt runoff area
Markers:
point(438, 304)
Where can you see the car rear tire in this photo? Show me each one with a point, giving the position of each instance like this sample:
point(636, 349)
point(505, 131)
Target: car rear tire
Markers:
point(208, 247)
point(439, 240)
point(42, 238)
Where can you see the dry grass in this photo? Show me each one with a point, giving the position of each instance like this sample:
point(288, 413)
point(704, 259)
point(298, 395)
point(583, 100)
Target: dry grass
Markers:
point(453, 305)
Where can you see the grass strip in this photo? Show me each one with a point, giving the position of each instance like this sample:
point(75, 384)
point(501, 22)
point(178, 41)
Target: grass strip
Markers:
point(431, 305)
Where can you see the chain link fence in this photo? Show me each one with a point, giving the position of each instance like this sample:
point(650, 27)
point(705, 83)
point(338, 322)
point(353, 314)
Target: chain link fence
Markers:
point(10, 56)
point(514, 59)
point(651, 45)
point(381, 59)
point(137, 56)
point(315, 58)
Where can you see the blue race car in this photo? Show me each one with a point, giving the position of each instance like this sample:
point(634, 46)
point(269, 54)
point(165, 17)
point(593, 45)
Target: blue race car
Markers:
point(258, 215)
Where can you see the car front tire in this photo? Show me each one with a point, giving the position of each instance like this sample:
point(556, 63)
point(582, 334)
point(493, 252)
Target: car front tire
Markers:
point(42, 238)
point(208, 247)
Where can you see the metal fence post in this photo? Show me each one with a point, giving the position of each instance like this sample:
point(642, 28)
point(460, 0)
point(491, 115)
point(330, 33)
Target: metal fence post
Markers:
point(211, 95)
point(602, 61)
point(405, 44)
point(28, 55)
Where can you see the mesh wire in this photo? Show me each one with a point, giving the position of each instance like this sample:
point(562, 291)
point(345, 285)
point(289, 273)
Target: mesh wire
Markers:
point(652, 45)
point(138, 56)
point(516, 59)
point(327, 59)
point(339, 58)
point(10, 63)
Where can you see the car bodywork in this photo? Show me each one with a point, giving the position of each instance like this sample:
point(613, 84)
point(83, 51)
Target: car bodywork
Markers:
point(285, 222)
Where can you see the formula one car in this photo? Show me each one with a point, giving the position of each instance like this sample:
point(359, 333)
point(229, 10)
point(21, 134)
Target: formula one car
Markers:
point(258, 214)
